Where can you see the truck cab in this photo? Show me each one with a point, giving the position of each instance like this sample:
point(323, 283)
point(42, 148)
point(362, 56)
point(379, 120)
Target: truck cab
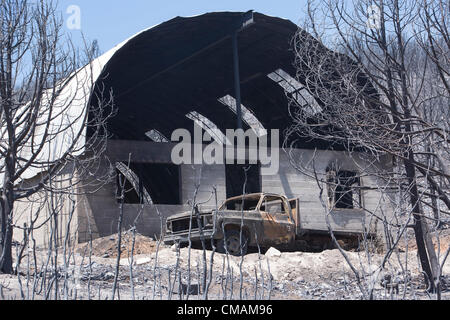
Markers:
point(259, 219)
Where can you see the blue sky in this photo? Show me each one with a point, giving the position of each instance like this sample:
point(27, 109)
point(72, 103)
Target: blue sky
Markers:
point(112, 21)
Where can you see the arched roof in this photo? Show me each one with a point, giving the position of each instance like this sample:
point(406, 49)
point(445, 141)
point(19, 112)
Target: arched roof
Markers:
point(185, 65)
point(181, 71)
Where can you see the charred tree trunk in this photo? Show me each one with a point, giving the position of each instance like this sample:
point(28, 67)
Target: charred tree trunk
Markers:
point(418, 224)
point(6, 232)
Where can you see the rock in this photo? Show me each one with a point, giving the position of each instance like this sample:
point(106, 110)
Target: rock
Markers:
point(143, 260)
point(108, 276)
point(325, 286)
point(273, 253)
point(280, 287)
point(124, 262)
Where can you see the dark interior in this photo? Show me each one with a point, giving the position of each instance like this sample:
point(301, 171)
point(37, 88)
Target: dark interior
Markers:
point(238, 174)
point(161, 181)
point(186, 64)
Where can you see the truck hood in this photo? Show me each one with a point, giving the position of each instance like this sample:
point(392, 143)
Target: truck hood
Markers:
point(186, 214)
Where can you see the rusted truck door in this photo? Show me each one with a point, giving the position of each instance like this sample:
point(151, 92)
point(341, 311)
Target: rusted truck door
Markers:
point(278, 225)
point(295, 210)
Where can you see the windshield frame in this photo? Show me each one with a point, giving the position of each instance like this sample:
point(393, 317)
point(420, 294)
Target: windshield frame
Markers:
point(241, 198)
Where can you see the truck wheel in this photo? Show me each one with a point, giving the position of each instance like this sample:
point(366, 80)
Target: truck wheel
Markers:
point(231, 242)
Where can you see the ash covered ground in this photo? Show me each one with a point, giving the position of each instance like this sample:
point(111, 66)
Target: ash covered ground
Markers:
point(151, 271)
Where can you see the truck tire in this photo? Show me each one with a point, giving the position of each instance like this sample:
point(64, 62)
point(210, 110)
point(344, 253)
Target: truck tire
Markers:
point(231, 241)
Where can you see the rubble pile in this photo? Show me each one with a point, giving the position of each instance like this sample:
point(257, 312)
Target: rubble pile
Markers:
point(106, 247)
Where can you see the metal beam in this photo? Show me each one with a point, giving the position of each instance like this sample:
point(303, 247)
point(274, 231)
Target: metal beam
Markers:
point(244, 21)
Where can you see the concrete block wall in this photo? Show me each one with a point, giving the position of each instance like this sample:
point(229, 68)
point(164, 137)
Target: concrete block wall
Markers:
point(37, 210)
point(207, 177)
point(97, 210)
point(295, 179)
point(288, 181)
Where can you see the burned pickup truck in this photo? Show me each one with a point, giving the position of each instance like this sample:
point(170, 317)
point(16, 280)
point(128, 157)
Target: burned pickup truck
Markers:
point(265, 220)
point(254, 220)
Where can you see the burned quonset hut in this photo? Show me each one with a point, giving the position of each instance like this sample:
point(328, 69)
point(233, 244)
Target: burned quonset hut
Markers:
point(181, 74)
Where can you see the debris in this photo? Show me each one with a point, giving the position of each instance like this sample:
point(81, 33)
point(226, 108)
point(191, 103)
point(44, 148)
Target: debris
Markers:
point(326, 286)
point(273, 253)
point(193, 289)
point(290, 275)
point(299, 280)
